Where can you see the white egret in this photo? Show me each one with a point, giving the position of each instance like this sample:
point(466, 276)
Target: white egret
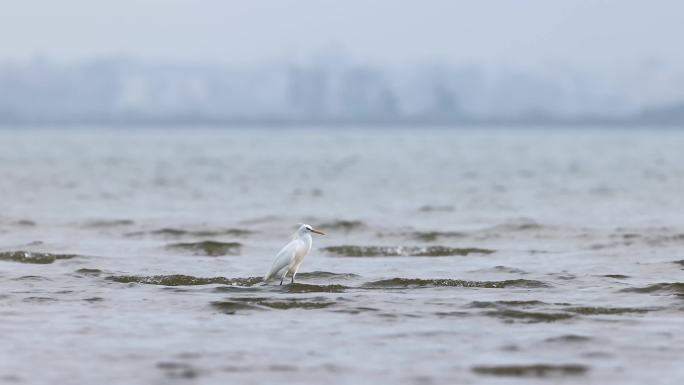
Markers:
point(292, 255)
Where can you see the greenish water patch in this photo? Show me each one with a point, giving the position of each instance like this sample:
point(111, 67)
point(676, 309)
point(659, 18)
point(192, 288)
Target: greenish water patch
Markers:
point(566, 277)
point(208, 248)
point(528, 316)
point(520, 225)
point(169, 232)
point(296, 304)
point(433, 208)
point(33, 257)
point(179, 370)
point(342, 225)
point(665, 287)
point(418, 283)
point(237, 289)
point(569, 338)
point(357, 310)
point(403, 251)
point(166, 232)
point(431, 236)
point(616, 276)
point(184, 280)
point(25, 222)
point(91, 272)
point(308, 288)
point(491, 304)
point(40, 299)
point(108, 223)
point(538, 370)
point(568, 311)
point(234, 305)
point(31, 278)
point(452, 314)
point(592, 310)
point(326, 274)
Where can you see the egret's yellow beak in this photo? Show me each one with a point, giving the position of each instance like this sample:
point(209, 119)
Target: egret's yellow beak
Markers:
point(317, 232)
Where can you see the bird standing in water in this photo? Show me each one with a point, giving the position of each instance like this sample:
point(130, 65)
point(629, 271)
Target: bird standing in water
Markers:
point(292, 255)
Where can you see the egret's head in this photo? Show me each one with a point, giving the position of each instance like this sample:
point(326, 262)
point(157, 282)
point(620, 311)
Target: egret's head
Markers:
point(304, 228)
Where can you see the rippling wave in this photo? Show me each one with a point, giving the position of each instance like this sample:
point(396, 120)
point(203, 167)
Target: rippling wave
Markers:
point(416, 282)
point(236, 304)
point(538, 370)
point(33, 257)
point(178, 233)
point(209, 248)
point(403, 251)
point(183, 280)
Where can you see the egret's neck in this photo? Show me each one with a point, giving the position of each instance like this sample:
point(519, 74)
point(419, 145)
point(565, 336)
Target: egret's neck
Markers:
point(306, 238)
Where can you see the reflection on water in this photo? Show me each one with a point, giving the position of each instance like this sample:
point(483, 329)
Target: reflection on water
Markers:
point(451, 256)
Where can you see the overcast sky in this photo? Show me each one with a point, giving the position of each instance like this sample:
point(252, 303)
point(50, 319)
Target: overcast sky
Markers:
point(582, 33)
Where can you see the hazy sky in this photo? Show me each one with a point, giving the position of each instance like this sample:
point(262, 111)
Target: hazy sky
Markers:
point(388, 32)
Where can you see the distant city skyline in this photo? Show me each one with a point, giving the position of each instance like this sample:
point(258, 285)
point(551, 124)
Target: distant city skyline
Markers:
point(341, 61)
point(128, 91)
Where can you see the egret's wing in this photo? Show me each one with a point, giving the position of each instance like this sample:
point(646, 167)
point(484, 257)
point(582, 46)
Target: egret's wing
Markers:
point(281, 261)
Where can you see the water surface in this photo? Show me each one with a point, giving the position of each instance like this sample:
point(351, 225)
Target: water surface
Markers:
point(453, 256)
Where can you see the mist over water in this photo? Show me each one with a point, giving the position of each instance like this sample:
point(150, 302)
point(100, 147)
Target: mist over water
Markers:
point(335, 89)
point(136, 256)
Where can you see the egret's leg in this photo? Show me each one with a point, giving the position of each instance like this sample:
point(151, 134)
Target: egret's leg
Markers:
point(294, 272)
point(282, 277)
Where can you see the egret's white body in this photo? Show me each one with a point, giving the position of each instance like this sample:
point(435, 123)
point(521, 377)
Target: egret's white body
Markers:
point(291, 256)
